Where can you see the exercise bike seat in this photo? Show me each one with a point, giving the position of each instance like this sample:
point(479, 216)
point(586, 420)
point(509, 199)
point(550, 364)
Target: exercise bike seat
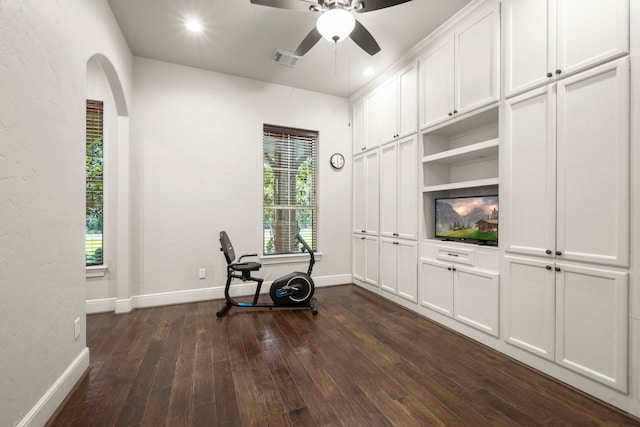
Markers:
point(246, 266)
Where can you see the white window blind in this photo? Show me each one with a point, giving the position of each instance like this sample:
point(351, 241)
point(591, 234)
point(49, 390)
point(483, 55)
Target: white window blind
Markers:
point(289, 198)
point(94, 183)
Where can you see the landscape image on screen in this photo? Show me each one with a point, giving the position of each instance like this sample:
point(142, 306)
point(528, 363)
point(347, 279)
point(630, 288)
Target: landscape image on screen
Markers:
point(467, 218)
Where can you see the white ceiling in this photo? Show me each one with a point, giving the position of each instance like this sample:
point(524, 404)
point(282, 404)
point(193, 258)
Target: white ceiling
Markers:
point(240, 38)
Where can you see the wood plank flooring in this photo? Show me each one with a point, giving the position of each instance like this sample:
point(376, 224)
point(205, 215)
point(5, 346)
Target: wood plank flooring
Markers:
point(362, 361)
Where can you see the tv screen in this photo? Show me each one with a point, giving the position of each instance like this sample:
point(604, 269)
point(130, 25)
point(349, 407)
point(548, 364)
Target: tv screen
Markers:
point(467, 219)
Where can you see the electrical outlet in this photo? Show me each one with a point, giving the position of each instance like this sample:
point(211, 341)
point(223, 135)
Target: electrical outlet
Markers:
point(203, 273)
point(76, 328)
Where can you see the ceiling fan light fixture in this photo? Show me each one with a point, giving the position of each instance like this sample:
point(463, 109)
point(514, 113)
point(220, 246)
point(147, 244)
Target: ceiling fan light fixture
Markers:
point(336, 24)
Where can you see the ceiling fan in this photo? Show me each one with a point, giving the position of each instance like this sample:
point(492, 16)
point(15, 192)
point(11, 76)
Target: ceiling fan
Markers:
point(336, 21)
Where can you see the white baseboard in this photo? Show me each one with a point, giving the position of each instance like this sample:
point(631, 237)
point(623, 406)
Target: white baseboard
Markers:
point(196, 295)
point(124, 305)
point(51, 400)
point(100, 305)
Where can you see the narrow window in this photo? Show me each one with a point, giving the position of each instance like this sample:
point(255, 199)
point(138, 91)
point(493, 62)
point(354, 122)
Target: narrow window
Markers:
point(289, 198)
point(94, 183)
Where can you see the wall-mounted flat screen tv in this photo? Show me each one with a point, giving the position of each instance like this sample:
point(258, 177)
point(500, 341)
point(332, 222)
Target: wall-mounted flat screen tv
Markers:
point(467, 219)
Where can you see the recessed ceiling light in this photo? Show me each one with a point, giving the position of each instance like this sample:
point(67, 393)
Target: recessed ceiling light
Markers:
point(193, 25)
point(368, 72)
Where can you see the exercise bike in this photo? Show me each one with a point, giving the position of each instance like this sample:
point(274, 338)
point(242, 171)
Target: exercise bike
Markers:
point(295, 290)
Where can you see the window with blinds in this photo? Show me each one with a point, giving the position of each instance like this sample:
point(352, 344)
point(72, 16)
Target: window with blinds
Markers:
point(94, 183)
point(289, 185)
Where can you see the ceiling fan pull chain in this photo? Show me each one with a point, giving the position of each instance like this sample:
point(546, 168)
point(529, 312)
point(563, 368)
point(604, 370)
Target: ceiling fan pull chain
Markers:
point(335, 58)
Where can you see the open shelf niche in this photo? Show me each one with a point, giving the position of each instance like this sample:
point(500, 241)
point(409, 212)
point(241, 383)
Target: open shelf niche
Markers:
point(459, 158)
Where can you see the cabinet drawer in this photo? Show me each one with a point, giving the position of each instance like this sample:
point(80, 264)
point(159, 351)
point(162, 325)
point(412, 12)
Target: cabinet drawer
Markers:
point(458, 255)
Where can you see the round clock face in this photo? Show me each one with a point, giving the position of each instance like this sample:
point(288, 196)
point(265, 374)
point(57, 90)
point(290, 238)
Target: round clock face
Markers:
point(337, 161)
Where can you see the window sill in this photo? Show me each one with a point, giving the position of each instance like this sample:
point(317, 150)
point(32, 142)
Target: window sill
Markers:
point(96, 271)
point(288, 258)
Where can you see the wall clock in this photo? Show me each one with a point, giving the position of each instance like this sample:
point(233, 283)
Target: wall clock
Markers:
point(337, 161)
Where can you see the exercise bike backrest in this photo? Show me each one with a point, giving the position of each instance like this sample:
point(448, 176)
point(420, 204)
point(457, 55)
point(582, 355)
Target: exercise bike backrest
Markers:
point(230, 255)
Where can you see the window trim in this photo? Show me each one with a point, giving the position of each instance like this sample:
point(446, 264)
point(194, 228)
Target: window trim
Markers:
point(97, 107)
point(313, 137)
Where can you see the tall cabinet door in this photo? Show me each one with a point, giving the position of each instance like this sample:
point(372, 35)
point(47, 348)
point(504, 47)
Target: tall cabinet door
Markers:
point(359, 194)
point(359, 258)
point(408, 101)
point(437, 83)
point(530, 305)
point(476, 298)
point(407, 209)
point(527, 58)
point(388, 265)
point(372, 192)
point(592, 326)
point(407, 270)
point(590, 32)
point(477, 59)
point(593, 165)
point(529, 184)
point(371, 260)
point(388, 99)
point(388, 189)
point(437, 286)
point(358, 123)
point(372, 121)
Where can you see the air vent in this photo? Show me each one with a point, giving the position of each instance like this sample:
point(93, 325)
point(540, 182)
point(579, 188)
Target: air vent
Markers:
point(285, 58)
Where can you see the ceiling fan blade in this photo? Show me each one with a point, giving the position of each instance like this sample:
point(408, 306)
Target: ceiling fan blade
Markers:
point(369, 5)
point(310, 41)
point(363, 38)
point(301, 5)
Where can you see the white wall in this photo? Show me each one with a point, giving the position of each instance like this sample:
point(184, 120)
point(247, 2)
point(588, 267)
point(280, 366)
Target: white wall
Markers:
point(44, 51)
point(196, 139)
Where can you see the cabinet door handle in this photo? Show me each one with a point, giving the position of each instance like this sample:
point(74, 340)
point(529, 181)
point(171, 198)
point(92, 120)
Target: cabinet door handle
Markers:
point(558, 71)
point(362, 238)
point(548, 252)
point(449, 268)
point(557, 268)
point(558, 253)
point(549, 74)
point(548, 267)
point(450, 114)
point(452, 254)
point(455, 111)
point(454, 269)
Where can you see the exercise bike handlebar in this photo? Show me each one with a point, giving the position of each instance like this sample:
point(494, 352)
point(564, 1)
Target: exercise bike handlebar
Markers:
point(306, 247)
point(247, 255)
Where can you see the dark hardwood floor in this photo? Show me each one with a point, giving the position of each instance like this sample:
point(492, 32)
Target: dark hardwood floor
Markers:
point(362, 361)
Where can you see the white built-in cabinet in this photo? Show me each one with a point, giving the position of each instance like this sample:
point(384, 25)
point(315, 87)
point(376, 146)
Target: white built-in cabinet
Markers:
point(550, 39)
point(460, 73)
point(566, 204)
point(365, 216)
point(567, 174)
point(555, 145)
point(365, 259)
point(399, 188)
point(398, 102)
point(467, 293)
point(398, 267)
point(572, 314)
